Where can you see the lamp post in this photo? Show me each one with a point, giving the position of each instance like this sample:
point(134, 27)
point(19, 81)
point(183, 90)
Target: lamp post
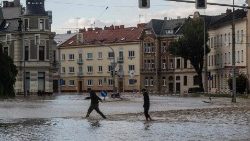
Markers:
point(233, 58)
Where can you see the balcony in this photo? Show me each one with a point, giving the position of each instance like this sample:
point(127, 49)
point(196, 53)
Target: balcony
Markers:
point(80, 61)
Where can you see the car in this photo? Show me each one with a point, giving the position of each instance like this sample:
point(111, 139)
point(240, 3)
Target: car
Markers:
point(195, 90)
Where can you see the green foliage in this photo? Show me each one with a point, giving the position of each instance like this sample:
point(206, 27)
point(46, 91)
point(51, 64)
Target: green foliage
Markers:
point(8, 74)
point(241, 83)
point(190, 46)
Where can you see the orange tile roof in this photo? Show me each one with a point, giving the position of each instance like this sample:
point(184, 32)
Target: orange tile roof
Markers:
point(108, 35)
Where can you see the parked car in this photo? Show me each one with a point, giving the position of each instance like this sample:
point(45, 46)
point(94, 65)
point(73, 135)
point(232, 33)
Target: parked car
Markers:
point(195, 90)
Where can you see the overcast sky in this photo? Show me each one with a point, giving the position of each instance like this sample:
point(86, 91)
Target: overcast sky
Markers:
point(70, 14)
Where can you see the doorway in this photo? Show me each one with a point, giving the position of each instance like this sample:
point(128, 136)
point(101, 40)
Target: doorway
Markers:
point(80, 88)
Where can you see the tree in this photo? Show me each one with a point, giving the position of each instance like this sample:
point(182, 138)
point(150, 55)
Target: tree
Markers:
point(8, 72)
point(241, 83)
point(190, 45)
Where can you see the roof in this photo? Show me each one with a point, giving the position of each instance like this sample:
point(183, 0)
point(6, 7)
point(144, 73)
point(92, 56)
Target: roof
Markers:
point(61, 38)
point(160, 26)
point(9, 25)
point(227, 17)
point(117, 34)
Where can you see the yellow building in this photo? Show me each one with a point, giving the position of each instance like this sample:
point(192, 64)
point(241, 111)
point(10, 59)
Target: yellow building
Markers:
point(87, 59)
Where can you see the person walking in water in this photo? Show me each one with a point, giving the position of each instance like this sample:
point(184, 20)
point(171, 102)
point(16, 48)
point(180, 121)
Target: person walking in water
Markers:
point(94, 105)
point(146, 104)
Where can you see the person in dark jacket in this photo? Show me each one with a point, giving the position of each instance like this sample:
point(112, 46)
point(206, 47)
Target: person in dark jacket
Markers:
point(94, 105)
point(146, 104)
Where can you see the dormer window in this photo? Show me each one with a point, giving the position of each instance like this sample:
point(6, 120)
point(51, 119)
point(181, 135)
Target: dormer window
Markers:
point(6, 25)
point(148, 32)
point(41, 24)
point(26, 24)
point(169, 31)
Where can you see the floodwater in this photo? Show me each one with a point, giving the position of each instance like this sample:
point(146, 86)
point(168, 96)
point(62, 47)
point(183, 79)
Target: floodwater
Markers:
point(60, 118)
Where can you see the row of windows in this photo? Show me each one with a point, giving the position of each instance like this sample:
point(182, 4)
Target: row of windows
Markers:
point(90, 82)
point(226, 39)
point(150, 64)
point(226, 58)
point(90, 69)
point(90, 56)
point(41, 24)
point(149, 81)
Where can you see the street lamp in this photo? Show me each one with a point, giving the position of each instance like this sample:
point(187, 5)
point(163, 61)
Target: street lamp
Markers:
point(233, 58)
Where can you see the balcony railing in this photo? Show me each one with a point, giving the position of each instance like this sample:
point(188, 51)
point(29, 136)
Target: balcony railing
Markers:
point(80, 61)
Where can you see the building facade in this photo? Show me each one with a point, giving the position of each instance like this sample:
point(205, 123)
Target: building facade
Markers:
point(162, 72)
point(101, 59)
point(26, 36)
point(220, 42)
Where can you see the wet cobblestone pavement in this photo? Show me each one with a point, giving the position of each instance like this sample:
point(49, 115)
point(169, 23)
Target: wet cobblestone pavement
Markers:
point(60, 118)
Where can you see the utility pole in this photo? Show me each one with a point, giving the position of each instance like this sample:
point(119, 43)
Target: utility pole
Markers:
point(233, 58)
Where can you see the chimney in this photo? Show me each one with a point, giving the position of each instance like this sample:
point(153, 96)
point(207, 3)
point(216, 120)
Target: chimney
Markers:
point(111, 27)
point(106, 28)
point(165, 18)
point(82, 30)
point(116, 27)
point(178, 17)
point(98, 29)
point(228, 11)
point(69, 32)
point(5, 4)
point(122, 26)
point(140, 25)
point(17, 2)
point(90, 29)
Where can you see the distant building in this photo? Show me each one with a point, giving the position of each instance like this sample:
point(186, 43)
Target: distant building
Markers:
point(162, 72)
point(26, 36)
point(87, 59)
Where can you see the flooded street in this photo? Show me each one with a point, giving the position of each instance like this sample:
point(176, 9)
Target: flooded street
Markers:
point(61, 118)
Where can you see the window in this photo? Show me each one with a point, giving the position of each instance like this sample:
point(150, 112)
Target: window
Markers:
point(63, 56)
point(229, 39)
point(185, 81)
point(63, 69)
point(146, 83)
point(225, 60)
point(80, 69)
point(132, 81)
point(131, 67)
point(171, 63)
point(111, 55)
point(238, 36)
point(90, 82)
point(164, 64)
point(41, 24)
point(110, 68)
point(242, 56)
point(99, 68)
point(41, 53)
point(178, 65)
point(229, 58)
point(178, 78)
point(6, 50)
point(71, 69)
point(8, 38)
point(131, 53)
point(90, 69)
point(99, 55)
point(185, 63)
point(238, 56)
point(71, 82)
point(196, 80)
point(80, 56)
point(242, 35)
point(164, 82)
point(209, 60)
point(62, 82)
point(151, 81)
point(71, 56)
point(37, 39)
point(26, 24)
point(26, 53)
point(110, 82)
point(89, 56)
point(100, 82)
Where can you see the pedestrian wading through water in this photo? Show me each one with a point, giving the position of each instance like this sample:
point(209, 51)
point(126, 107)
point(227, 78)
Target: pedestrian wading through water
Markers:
point(146, 104)
point(94, 105)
